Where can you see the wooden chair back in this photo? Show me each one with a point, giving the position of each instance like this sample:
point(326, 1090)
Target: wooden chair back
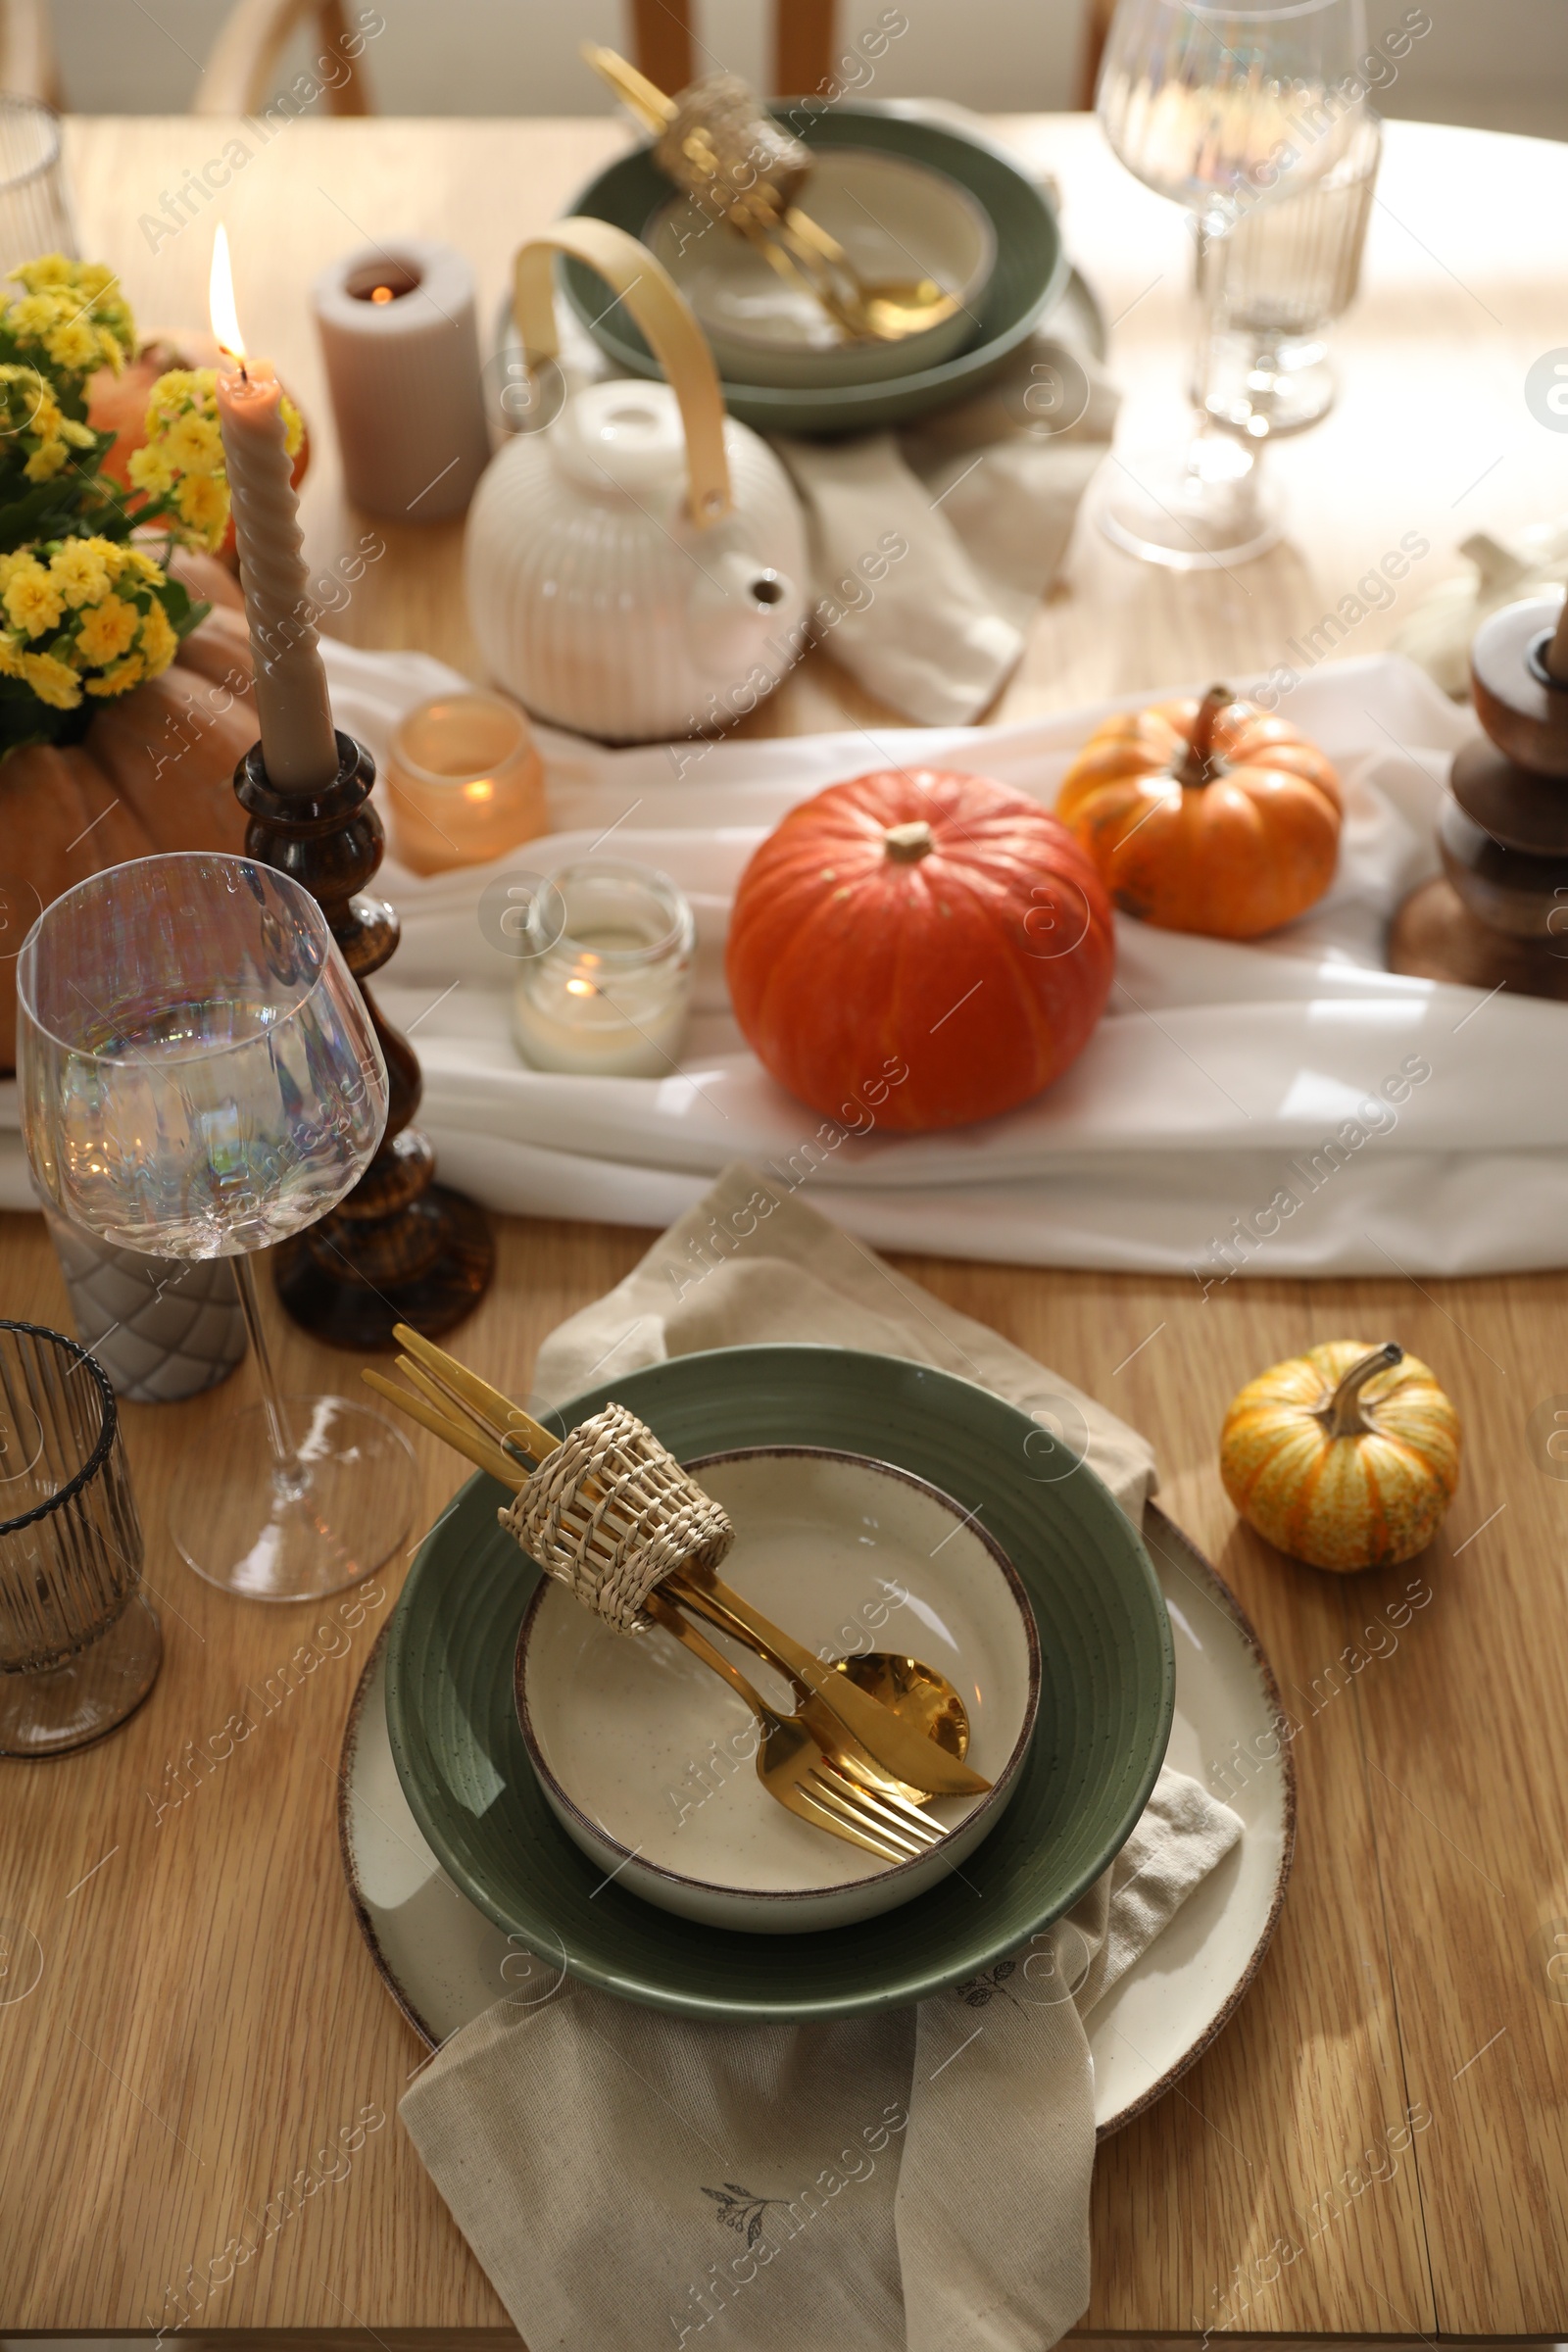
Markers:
point(663, 47)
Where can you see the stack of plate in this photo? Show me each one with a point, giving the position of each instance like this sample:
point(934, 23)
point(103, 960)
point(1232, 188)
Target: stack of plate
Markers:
point(468, 1890)
point(1105, 1693)
point(907, 198)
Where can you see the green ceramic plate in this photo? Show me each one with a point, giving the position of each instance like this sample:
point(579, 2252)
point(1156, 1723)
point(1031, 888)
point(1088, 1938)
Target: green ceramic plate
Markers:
point(1030, 275)
point(1107, 1691)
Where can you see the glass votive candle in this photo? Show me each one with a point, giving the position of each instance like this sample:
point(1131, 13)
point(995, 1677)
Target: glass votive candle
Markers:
point(606, 980)
point(464, 782)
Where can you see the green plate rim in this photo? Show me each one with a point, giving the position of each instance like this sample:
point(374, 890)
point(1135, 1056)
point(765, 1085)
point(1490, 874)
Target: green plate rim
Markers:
point(841, 408)
point(984, 1952)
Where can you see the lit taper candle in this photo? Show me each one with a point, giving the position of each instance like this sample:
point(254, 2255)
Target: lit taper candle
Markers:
point(293, 709)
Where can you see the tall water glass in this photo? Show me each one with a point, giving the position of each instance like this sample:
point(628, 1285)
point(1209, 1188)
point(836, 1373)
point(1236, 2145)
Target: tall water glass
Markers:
point(78, 1645)
point(35, 201)
point(199, 1078)
point(1222, 109)
point(1273, 289)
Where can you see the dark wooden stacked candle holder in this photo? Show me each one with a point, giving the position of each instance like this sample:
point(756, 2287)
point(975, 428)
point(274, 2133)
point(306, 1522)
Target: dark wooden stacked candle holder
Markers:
point(1497, 916)
point(399, 1248)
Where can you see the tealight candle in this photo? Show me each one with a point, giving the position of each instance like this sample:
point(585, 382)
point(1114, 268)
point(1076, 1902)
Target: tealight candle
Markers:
point(463, 783)
point(606, 980)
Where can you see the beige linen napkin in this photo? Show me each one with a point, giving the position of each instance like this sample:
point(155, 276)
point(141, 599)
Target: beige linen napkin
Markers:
point(916, 2181)
point(981, 499)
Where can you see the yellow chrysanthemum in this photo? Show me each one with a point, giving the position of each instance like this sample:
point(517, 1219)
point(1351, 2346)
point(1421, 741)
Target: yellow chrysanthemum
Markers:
point(193, 444)
point(32, 317)
point(135, 562)
point(202, 503)
point(52, 682)
point(46, 462)
point(31, 598)
point(107, 632)
point(55, 269)
point(74, 345)
point(9, 655)
point(158, 643)
point(79, 436)
point(80, 571)
point(293, 426)
point(172, 394)
point(120, 679)
point(148, 472)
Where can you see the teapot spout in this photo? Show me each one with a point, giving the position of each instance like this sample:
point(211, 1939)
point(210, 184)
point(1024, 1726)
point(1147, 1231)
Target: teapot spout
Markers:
point(737, 604)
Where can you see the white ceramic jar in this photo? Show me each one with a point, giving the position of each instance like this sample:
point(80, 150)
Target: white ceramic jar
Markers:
point(636, 570)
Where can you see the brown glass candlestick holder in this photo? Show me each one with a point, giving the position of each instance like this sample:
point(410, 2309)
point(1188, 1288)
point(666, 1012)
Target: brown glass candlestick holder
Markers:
point(399, 1247)
point(1497, 915)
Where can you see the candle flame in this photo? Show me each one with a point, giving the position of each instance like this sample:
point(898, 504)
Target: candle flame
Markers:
point(221, 297)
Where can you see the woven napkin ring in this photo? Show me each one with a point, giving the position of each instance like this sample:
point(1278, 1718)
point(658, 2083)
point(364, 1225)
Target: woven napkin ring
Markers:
point(612, 1513)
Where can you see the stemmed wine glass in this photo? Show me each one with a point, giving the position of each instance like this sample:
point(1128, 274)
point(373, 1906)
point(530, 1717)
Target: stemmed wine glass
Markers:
point(1220, 109)
point(199, 1078)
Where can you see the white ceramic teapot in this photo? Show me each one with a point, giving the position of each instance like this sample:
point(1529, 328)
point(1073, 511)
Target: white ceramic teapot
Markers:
point(636, 570)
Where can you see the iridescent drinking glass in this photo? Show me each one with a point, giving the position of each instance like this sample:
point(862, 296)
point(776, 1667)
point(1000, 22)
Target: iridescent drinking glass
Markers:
point(199, 1078)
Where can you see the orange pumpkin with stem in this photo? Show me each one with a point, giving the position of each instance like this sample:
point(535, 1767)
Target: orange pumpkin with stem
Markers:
point(1346, 1457)
point(1210, 816)
point(923, 922)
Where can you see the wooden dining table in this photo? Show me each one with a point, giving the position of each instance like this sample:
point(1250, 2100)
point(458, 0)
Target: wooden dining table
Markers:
point(187, 2013)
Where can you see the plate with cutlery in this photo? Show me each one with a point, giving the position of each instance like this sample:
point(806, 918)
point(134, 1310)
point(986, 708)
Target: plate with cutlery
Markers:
point(959, 1665)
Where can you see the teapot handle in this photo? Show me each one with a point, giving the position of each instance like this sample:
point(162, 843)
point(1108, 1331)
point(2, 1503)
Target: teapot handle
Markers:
point(665, 318)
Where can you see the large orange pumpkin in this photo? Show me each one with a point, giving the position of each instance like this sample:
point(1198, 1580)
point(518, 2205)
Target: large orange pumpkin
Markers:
point(1208, 816)
point(934, 945)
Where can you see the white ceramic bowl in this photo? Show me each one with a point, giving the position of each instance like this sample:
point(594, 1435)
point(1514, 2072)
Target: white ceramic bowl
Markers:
point(648, 1759)
point(894, 219)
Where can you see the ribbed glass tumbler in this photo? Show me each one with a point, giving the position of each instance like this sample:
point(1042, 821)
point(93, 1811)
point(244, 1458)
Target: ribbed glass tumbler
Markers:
point(79, 1646)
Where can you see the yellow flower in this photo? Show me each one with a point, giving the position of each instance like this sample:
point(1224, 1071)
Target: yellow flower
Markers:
point(31, 599)
point(79, 436)
point(135, 560)
point(79, 572)
point(202, 503)
point(74, 346)
point(293, 426)
point(45, 461)
point(148, 472)
point(9, 655)
point(169, 398)
point(107, 632)
point(124, 675)
point(193, 444)
point(32, 317)
point(54, 269)
point(158, 643)
point(52, 682)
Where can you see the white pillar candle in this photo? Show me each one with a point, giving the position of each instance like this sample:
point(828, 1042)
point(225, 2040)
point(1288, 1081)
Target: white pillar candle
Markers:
point(401, 343)
point(293, 709)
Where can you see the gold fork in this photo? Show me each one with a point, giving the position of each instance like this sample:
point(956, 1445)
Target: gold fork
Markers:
point(492, 1427)
point(801, 1775)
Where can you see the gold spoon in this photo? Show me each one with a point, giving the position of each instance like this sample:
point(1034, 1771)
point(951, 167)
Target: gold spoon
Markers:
point(883, 309)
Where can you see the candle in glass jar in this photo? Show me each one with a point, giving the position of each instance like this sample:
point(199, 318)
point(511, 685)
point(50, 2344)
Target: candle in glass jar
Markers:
point(463, 783)
point(293, 709)
point(606, 982)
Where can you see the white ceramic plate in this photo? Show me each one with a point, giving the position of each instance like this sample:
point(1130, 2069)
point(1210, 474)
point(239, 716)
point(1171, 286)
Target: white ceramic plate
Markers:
point(895, 219)
point(444, 1963)
point(647, 1759)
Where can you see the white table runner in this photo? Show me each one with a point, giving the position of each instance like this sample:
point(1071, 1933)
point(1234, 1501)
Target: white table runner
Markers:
point(1286, 1107)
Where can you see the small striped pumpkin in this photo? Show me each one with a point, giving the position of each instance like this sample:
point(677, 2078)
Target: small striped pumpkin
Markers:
point(1346, 1457)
